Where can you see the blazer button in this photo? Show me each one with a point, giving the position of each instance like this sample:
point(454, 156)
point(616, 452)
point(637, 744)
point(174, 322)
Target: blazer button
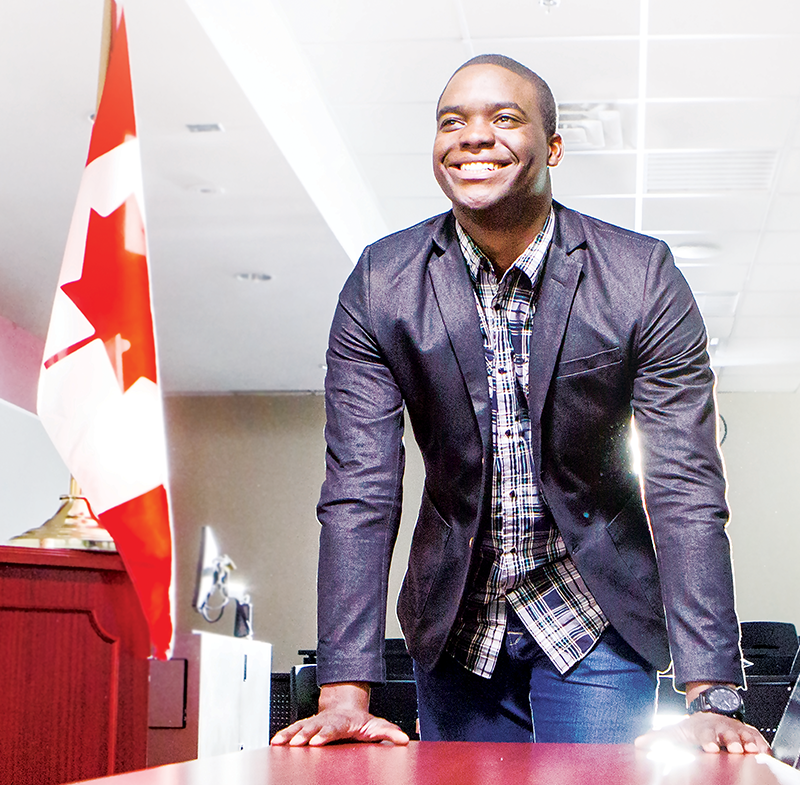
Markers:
point(471, 541)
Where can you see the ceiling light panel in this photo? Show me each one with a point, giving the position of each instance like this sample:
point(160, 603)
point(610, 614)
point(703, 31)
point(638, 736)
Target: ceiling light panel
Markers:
point(709, 171)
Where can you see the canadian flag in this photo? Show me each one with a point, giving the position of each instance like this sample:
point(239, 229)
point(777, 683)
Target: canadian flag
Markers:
point(98, 396)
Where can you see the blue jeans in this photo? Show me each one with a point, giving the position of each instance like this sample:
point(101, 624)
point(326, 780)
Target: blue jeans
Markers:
point(607, 698)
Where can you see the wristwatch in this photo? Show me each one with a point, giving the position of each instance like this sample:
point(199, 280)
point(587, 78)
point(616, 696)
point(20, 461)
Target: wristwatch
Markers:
point(719, 700)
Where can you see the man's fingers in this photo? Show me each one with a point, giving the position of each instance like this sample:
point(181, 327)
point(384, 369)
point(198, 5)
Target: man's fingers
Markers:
point(327, 726)
point(378, 729)
point(711, 732)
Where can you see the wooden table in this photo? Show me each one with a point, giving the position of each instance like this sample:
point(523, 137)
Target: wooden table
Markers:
point(461, 763)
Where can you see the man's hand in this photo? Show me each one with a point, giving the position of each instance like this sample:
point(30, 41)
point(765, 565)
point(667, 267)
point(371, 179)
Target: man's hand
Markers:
point(343, 715)
point(712, 732)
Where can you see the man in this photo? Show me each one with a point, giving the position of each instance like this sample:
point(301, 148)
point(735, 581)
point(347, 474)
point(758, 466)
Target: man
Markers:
point(521, 337)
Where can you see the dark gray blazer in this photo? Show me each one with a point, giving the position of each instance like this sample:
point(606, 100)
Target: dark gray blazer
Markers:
point(616, 333)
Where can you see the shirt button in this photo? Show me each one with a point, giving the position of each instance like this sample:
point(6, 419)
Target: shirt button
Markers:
point(512, 494)
point(508, 433)
point(501, 370)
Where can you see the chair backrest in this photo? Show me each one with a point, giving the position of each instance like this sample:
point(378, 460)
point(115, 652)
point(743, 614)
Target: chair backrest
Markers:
point(786, 744)
point(396, 700)
point(770, 646)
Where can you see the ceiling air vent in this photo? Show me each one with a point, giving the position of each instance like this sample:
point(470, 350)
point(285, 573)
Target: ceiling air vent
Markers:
point(710, 170)
point(204, 128)
point(590, 126)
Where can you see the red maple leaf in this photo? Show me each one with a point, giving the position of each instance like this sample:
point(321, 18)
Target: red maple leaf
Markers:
point(113, 293)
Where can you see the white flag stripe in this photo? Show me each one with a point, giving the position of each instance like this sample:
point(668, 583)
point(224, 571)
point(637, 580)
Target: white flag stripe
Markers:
point(113, 442)
point(107, 182)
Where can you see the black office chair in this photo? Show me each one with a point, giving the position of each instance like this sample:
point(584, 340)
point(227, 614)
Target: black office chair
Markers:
point(396, 700)
point(770, 646)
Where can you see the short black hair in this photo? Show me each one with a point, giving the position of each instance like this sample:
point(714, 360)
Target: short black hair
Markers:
point(544, 95)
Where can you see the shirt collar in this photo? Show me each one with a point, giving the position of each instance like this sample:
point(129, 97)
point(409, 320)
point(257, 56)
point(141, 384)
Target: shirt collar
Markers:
point(528, 262)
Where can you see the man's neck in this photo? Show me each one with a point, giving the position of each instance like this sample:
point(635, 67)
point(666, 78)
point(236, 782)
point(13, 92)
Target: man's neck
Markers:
point(502, 242)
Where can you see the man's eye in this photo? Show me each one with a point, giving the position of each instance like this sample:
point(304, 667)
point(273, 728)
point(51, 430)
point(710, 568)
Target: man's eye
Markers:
point(506, 119)
point(448, 122)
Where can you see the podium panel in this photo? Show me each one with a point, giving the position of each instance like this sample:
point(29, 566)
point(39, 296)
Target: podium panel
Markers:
point(74, 646)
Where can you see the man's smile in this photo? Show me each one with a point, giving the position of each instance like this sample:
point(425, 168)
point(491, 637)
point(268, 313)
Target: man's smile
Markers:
point(478, 166)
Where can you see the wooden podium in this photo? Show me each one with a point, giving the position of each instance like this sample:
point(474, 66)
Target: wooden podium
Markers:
point(73, 646)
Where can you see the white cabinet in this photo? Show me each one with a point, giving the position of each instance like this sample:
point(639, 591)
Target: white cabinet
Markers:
point(212, 698)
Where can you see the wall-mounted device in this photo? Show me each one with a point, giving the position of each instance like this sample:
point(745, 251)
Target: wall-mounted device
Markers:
point(214, 589)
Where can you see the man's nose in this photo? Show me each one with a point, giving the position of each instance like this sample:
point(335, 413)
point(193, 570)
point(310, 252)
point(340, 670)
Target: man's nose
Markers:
point(477, 133)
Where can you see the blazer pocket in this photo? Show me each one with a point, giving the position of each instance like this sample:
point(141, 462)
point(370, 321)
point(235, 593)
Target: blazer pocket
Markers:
point(630, 534)
point(425, 559)
point(590, 363)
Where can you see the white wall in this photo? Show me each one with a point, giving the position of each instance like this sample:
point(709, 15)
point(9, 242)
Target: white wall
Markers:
point(32, 474)
point(251, 467)
point(762, 458)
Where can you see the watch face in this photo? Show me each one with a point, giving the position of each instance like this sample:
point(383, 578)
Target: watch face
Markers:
point(723, 699)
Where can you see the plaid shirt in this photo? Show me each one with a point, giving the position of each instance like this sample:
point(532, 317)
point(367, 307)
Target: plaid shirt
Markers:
point(521, 559)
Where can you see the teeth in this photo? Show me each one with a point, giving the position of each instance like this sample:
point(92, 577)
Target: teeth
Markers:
point(478, 166)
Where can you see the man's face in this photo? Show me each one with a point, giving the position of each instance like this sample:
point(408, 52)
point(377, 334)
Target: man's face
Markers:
point(491, 150)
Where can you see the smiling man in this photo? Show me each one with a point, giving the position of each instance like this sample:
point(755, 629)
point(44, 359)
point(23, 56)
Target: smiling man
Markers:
point(544, 589)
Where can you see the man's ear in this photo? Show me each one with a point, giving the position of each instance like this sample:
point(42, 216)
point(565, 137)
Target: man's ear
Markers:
point(556, 145)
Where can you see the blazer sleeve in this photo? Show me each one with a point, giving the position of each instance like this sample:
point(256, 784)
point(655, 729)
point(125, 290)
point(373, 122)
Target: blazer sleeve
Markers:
point(359, 507)
point(684, 483)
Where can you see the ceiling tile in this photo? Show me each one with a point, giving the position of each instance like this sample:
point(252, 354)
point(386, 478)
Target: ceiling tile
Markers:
point(702, 213)
point(775, 303)
point(733, 247)
point(715, 17)
point(615, 210)
point(772, 350)
point(576, 70)
point(404, 176)
point(760, 124)
point(401, 213)
point(767, 326)
point(784, 214)
point(351, 21)
point(774, 278)
point(394, 72)
point(719, 68)
point(714, 277)
point(779, 248)
point(529, 19)
point(755, 380)
point(718, 326)
point(366, 128)
point(586, 174)
point(790, 175)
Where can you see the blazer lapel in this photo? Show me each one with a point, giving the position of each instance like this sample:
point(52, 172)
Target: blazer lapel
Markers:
point(453, 290)
point(559, 282)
